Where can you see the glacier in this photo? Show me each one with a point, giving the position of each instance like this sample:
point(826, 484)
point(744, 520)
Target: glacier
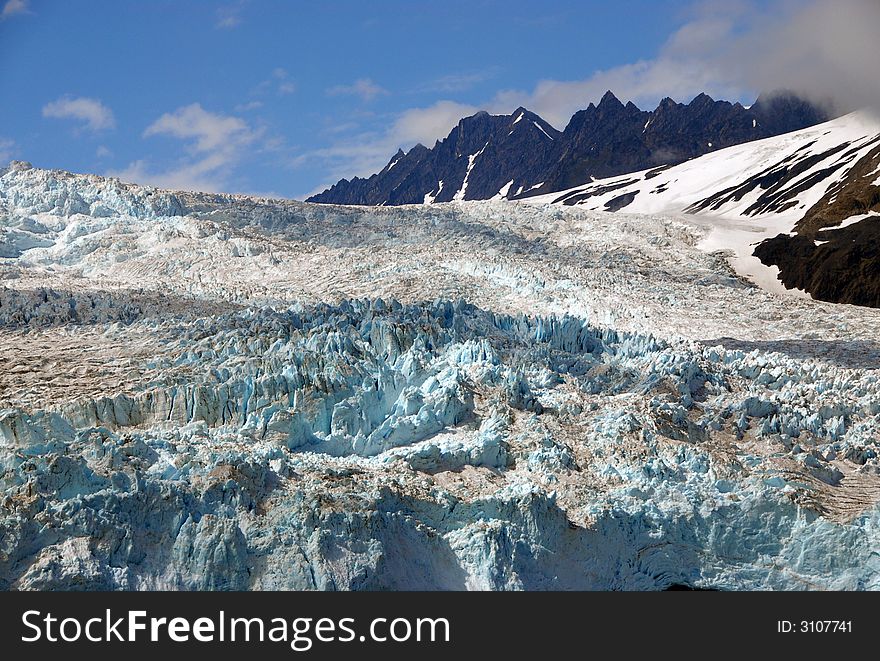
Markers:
point(224, 392)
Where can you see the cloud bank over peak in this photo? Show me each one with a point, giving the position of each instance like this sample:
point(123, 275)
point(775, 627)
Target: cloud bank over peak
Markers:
point(824, 51)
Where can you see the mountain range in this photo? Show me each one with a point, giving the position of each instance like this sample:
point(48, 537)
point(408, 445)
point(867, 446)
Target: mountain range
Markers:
point(520, 155)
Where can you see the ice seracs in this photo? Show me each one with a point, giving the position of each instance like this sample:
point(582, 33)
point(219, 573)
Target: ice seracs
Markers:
point(224, 392)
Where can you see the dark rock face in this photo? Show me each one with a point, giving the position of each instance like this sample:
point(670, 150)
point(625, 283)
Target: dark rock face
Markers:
point(612, 139)
point(844, 270)
point(832, 263)
point(857, 193)
point(601, 141)
point(510, 147)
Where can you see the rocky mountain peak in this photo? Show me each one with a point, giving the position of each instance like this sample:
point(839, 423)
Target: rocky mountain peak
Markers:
point(666, 103)
point(610, 102)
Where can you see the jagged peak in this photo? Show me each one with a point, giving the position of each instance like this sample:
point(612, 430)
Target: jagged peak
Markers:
point(534, 118)
point(521, 112)
point(702, 99)
point(465, 123)
point(480, 114)
point(666, 102)
point(394, 160)
point(609, 100)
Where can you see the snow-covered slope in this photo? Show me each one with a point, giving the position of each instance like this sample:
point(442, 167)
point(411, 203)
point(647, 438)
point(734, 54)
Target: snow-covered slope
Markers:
point(781, 176)
point(743, 194)
point(211, 392)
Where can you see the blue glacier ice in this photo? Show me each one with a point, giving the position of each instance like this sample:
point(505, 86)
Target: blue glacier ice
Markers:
point(164, 428)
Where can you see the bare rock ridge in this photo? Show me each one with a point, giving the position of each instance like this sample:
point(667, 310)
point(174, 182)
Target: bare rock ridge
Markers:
point(520, 155)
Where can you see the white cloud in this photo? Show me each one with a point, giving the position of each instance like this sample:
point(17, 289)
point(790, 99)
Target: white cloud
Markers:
point(644, 82)
point(7, 150)
point(215, 144)
point(426, 125)
point(96, 115)
point(279, 81)
point(15, 8)
point(247, 107)
point(103, 152)
point(366, 153)
point(821, 50)
point(827, 51)
point(457, 82)
point(284, 84)
point(683, 68)
point(227, 22)
point(364, 88)
point(199, 176)
point(208, 131)
point(337, 128)
point(229, 17)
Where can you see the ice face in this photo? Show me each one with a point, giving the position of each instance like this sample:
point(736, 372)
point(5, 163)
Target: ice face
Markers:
point(215, 392)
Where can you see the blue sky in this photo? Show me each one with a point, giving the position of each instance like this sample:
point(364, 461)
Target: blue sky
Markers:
point(284, 97)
